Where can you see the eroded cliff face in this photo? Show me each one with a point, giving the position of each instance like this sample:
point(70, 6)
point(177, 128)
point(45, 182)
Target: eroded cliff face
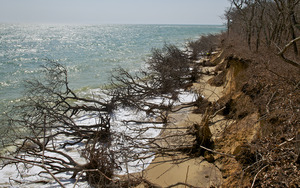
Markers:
point(241, 119)
point(252, 126)
point(251, 109)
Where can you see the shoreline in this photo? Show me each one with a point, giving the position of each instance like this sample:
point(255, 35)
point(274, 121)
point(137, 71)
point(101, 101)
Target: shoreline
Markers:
point(170, 170)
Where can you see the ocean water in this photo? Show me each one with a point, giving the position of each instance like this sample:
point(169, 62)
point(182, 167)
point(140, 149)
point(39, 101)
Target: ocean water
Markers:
point(90, 52)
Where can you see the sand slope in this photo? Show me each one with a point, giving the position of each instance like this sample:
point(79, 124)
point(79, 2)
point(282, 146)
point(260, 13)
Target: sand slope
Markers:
point(197, 172)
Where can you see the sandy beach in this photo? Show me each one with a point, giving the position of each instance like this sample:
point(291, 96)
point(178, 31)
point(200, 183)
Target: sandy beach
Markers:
point(165, 171)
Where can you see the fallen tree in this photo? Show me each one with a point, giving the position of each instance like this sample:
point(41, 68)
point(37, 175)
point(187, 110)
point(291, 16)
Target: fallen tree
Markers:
point(43, 125)
point(50, 121)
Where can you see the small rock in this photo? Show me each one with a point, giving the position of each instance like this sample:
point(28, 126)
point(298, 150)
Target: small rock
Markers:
point(209, 157)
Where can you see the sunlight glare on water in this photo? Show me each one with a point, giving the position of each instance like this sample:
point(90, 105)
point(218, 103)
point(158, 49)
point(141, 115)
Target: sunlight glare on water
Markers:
point(90, 52)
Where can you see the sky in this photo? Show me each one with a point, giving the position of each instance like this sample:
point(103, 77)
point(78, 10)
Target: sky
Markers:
point(113, 11)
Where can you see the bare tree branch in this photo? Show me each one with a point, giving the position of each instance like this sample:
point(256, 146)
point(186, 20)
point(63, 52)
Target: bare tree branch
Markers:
point(282, 51)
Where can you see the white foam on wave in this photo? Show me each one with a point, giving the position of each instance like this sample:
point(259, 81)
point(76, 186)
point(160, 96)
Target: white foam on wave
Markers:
point(121, 131)
point(139, 133)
